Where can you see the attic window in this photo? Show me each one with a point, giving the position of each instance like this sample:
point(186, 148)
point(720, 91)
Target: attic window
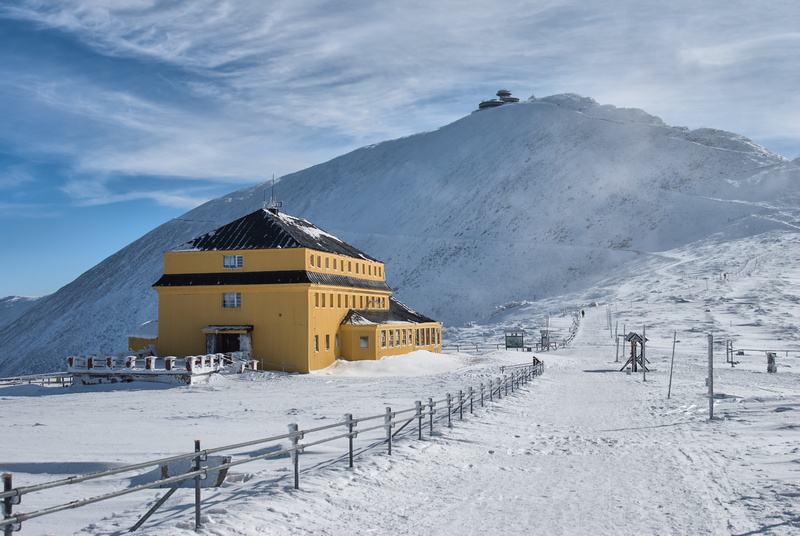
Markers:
point(232, 261)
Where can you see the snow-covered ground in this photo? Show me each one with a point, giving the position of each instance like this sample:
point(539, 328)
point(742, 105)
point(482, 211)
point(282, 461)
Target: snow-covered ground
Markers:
point(584, 449)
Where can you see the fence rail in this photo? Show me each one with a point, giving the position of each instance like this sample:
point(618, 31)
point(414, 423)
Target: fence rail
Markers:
point(62, 379)
point(441, 409)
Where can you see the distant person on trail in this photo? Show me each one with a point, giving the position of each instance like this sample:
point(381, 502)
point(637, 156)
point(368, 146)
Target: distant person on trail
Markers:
point(581, 313)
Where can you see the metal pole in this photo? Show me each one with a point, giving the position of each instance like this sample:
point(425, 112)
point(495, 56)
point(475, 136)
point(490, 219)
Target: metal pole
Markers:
point(449, 410)
point(481, 394)
point(710, 376)
point(644, 360)
point(387, 420)
point(418, 408)
point(295, 454)
point(197, 523)
point(616, 336)
point(430, 414)
point(348, 417)
point(460, 405)
point(672, 362)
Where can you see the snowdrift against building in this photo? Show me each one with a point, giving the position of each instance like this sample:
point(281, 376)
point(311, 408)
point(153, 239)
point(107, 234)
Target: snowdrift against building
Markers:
point(523, 201)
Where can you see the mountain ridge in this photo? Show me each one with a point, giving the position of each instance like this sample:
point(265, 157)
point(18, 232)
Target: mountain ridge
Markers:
point(528, 199)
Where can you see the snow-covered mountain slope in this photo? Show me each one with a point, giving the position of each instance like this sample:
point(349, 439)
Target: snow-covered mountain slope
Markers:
point(12, 307)
point(519, 202)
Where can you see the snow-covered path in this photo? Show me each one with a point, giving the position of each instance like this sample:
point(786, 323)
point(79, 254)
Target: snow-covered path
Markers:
point(586, 450)
point(583, 449)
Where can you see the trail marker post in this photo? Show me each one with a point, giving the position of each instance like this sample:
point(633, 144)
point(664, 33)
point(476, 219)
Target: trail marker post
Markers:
point(710, 378)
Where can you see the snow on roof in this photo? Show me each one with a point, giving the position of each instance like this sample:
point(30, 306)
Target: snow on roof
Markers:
point(398, 313)
point(264, 229)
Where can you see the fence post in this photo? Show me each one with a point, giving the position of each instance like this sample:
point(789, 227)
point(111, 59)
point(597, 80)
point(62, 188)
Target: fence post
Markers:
point(491, 390)
point(512, 383)
point(418, 407)
point(505, 381)
point(8, 503)
point(449, 410)
point(470, 398)
point(431, 404)
point(387, 420)
point(197, 523)
point(295, 454)
point(481, 394)
point(348, 417)
point(460, 405)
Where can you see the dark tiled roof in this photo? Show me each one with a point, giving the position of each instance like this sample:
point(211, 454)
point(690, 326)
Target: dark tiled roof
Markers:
point(268, 278)
point(398, 312)
point(263, 229)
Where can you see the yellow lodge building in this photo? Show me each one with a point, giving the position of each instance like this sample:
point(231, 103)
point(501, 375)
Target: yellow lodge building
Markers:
point(291, 294)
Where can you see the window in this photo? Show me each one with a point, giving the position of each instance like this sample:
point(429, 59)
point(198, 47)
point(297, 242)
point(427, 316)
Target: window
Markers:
point(346, 301)
point(404, 338)
point(327, 343)
point(336, 341)
point(316, 343)
point(438, 336)
point(397, 336)
point(316, 299)
point(331, 300)
point(232, 300)
point(427, 336)
point(319, 262)
point(360, 300)
point(370, 269)
point(327, 263)
point(349, 266)
point(383, 339)
point(380, 271)
point(232, 261)
point(323, 299)
point(391, 338)
point(311, 260)
point(363, 342)
point(416, 337)
point(339, 301)
point(356, 267)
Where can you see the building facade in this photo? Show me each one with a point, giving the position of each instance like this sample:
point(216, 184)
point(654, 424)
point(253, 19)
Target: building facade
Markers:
point(294, 296)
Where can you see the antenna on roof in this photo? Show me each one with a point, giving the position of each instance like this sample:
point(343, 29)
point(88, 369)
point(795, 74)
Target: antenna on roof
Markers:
point(273, 204)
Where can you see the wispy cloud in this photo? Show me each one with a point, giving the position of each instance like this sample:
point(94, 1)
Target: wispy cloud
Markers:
point(234, 91)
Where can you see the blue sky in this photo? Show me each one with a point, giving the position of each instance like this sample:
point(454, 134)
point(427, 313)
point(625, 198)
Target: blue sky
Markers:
point(116, 116)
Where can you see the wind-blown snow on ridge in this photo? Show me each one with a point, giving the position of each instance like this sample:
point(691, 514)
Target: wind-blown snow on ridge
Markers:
point(518, 202)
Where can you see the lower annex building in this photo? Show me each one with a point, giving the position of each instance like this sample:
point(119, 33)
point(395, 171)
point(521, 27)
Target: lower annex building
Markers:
point(294, 296)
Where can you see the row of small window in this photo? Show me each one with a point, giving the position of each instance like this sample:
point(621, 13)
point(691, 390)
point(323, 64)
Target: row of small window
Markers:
point(232, 261)
point(327, 342)
point(322, 299)
point(339, 265)
point(402, 337)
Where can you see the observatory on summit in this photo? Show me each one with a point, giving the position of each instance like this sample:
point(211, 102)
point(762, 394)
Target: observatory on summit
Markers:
point(504, 97)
